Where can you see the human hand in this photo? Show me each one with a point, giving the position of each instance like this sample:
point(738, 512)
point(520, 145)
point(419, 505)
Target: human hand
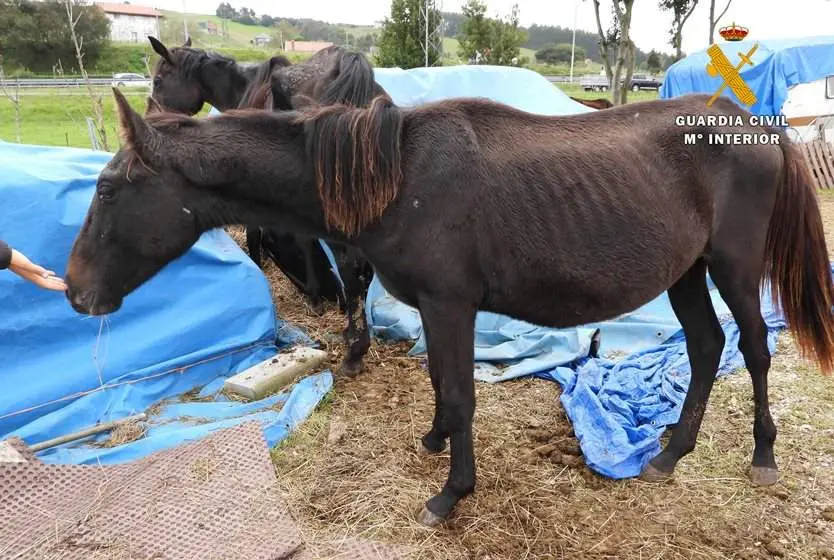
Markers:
point(35, 273)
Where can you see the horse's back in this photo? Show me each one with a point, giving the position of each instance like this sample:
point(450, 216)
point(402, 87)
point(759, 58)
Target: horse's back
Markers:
point(591, 202)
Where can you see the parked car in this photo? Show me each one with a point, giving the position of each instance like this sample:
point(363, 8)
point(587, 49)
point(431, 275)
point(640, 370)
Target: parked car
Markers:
point(644, 81)
point(594, 83)
point(638, 82)
point(130, 79)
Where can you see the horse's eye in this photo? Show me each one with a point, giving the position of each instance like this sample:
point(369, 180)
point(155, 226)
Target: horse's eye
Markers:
point(157, 81)
point(105, 193)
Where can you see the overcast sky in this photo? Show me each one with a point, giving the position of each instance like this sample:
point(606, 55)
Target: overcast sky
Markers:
point(766, 19)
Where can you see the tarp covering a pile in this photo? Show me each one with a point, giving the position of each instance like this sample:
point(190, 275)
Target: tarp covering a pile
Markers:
point(207, 315)
point(778, 65)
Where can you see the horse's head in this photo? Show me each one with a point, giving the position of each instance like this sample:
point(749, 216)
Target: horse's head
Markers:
point(176, 86)
point(139, 219)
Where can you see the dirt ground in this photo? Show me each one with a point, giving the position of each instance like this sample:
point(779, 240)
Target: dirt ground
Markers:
point(353, 468)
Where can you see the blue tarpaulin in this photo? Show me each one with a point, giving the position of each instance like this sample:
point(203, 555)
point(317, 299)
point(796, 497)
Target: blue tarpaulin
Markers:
point(777, 65)
point(207, 315)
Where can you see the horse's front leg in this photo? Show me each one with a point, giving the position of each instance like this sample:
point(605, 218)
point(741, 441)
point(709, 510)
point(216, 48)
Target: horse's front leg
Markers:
point(253, 244)
point(312, 287)
point(357, 339)
point(449, 327)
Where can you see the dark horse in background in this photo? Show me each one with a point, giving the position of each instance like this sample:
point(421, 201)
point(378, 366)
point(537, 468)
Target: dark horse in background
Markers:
point(185, 78)
point(600, 103)
point(466, 205)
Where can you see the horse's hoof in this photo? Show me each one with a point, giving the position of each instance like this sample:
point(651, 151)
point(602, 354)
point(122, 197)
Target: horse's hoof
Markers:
point(427, 451)
point(350, 369)
point(429, 519)
point(764, 476)
point(653, 474)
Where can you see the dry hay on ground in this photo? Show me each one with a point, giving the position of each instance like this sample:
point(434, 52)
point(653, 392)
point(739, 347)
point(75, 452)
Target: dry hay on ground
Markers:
point(353, 469)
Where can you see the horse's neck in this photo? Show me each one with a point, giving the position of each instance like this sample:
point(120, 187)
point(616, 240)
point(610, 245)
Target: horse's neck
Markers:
point(224, 92)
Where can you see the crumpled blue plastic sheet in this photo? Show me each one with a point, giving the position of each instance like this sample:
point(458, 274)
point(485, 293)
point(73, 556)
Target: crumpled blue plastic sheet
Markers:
point(204, 317)
point(778, 65)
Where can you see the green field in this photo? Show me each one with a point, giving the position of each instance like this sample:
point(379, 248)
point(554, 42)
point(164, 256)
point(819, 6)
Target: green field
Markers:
point(239, 35)
point(57, 117)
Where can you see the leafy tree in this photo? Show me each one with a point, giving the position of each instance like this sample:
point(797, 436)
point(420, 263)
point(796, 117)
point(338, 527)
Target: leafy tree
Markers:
point(267, 21)
point(36, 34)
point(555, 54)
point(247, 17)
point(654, 63)
point(616, 43)
point(475, 33)
point(403, 33)
point(226, 11)
point(681, 10)
point(508, 37)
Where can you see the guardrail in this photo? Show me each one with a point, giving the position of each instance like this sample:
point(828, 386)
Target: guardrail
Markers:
point(23, 83)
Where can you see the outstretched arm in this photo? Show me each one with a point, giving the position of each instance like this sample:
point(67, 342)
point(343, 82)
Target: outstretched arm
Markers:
point(18, 263)
point(5, 256)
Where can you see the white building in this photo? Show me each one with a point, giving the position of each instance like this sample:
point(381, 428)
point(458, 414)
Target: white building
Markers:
point(130, 23)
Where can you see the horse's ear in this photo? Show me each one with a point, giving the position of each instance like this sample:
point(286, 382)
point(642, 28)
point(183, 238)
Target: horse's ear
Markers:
point(135, 132)
point(187, 42)
point(280, 101)
point(160, 49)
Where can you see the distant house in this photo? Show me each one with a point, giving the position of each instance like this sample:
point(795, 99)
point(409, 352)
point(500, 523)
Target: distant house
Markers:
point(261, 39)
point(305, 46)
point(130, 23)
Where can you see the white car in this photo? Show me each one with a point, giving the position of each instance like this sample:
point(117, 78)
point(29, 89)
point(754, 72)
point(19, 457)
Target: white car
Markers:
point(131, 80)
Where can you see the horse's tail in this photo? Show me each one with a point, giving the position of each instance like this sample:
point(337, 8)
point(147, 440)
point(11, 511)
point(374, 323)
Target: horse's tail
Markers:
point(797, 262)
point(356, 156)
point(350, 81)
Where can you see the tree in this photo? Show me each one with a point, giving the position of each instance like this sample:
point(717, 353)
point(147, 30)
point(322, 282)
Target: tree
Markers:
point(713, 21)
point(475, 32)
point(654, 63)
point(267, 21)
point(507, 39)
point(681, 10)
point(403, 34)
point(555, 54)
point(37, 34)
point(226, 11)
point(617, 41)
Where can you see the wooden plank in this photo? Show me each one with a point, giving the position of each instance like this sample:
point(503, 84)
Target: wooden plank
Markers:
point(806, 153)
point(821, 183)
point(828, 154)
point(823, 163)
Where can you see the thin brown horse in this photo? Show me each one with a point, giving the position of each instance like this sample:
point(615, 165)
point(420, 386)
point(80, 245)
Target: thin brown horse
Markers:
point(467, 205)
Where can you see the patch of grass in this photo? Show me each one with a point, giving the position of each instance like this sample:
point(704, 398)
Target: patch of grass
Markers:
point(56, 117)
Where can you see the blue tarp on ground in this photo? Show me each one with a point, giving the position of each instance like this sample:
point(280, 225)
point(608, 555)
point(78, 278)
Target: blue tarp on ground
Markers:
point(206, 315)
point(777, 66)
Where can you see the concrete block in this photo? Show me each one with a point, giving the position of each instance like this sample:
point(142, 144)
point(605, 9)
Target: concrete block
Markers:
point(275, 373)
point(9, 454)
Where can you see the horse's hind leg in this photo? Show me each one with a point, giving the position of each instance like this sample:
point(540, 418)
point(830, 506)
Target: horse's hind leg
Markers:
point(737, 280)
point(691, 302)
